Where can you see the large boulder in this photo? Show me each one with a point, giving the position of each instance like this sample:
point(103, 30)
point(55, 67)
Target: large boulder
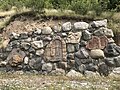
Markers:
point(97, 53)
point(81, 25)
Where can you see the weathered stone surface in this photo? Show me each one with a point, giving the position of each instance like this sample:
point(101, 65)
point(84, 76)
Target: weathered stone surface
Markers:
point(97, 42)
point(70, 56)
point(110, 40)
point(67, 26)
point(15, 57)
point(37, 31)
point(40, 52)
point(74, 37)
point(101, 23)
point(110, 62)
point(31, 50)
point(73, 73)
point(81, 25)
point(56, 50)
point(109, 33)
point(116, 70)
point(25, 45)
point(83, 43)
point(5, 43)
point(37, 44)
point(57, 28)
point(46, 30)
point(97, 53)
point(24, 35)
point(82, 53)
point(62, 65)
point(70, 48)
point(117, 61)
point(86, 35)
point(110, 50)
point(14, 35)
point(47, 39)
point(26, 60)
point(99, 32)
point(47, 67)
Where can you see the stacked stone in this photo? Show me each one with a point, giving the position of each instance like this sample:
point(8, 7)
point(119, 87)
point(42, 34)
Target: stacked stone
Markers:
point(55, 50)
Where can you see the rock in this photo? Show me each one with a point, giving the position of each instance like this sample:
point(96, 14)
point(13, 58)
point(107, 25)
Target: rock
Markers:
point(97, 53)
point(14, 43)
point(117, 61)
point(83, 43)
point(64, 35)
point(3, 63)
point(101, 23)
point(37, 44)
point(26, 60)
point(86, 35)
point(47, 39)
point(91, 67)
point(5, 43)
point(110, 50)
point(25, 45)
point(40, 52)
point(14, 36)
point(57, 28)
point(15, 57)
point(99, 32)
point(47, 67)
point(37, 31)
point(74, 74)
point(31, 50)
point(110, 62)
point(62, 65)
point(74, 37)
point(67, 26)
point(82, 53)
point(24, 35)
point(90, 74)
point(116, 70)
point(46, 30)
point(109, 33)
point(77, 46)
point(81, 25)
point(110, 40)
point(58, 72)
point(70, 48)
point(70, 56)
point(97, 42)
point(8, 48)
point(56, 50)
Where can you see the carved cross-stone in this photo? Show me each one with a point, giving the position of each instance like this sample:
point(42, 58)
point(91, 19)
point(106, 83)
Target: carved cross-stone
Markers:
point(97, 42)
point(56, 50)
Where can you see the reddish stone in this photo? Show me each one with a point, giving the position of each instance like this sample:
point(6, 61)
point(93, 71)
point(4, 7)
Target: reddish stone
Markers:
point(97, 42)
point(94, 43)
point(103, 41)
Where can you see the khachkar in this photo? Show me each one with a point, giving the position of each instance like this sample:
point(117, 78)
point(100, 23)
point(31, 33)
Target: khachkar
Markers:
point(56, 50)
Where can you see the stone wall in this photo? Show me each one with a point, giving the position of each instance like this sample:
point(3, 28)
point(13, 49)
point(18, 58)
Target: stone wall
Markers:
point(51, 50)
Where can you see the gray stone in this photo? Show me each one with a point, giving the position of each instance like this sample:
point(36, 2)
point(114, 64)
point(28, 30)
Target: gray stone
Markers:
point(24, 35)
point(14, 43)
point(31, 50)
point(47, 39)
point(47, 67)
point(83, 43)
point(99, 32)
point(70, 56)
point(26, 60)
point(70, 48)
point(101, 23)
point(90, 74)
point(37, 44)
point(82, 53)
point(97, 53)
point(64, 35)
point(67, 26)
point(57, 28)
point(117, 61)
point(109, 33)
point(73, 74)
point(86, 35)
point(81, 25)
point(110, 62)
point(46, 30)
point(110, 40)
point(116, 70)
point(40, 52)
point(14, 35)
point(110, 50)
point(25, 45)
point(37, 31)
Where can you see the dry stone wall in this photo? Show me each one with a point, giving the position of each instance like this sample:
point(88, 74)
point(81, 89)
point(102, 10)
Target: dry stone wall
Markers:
point(51, 50)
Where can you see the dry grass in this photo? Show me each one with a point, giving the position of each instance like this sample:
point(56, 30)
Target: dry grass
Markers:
point(40, 82)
